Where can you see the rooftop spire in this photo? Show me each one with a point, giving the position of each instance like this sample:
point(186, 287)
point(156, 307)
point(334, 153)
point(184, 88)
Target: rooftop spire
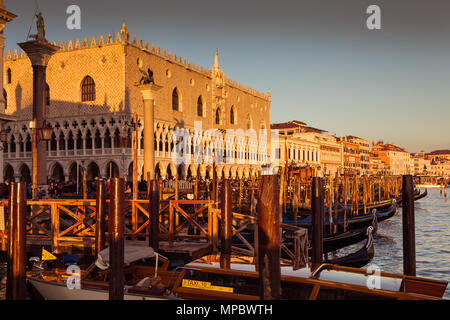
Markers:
point(216, 60)
point(124, 29)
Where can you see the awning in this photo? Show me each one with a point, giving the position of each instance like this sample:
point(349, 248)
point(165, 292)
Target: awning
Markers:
point(131, 253)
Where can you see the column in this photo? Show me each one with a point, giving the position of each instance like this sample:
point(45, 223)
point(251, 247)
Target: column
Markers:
point(148, 95)
point(39, 52)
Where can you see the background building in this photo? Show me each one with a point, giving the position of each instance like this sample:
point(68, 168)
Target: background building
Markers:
point(350, 155)
point(364, 152)
point(395, 158)
point(309, 146)
point(421, 165)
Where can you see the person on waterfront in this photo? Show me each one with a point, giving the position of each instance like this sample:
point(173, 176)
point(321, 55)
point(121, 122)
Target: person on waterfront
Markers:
point(51, 190)
point(128, 190)
point(29, 191)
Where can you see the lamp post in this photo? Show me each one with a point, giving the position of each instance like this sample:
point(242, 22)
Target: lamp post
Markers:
point(134, 124)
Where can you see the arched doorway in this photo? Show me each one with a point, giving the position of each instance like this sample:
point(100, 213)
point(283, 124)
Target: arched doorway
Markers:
point(73, 173)
point(8, 173)
point(170, 174)
point(57, 173)
point(130, 172)
point(93, 171)
point(181, 172)
point(25, 175)
point(112, 170)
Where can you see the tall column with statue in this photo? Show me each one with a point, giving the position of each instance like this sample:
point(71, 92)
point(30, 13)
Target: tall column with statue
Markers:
point(39, 52)
point(148, 89)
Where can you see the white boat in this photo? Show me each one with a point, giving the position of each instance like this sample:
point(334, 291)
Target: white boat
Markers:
point(51, 290)
point(63, 284)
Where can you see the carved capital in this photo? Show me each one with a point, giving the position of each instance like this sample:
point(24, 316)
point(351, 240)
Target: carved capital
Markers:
point(39, 52)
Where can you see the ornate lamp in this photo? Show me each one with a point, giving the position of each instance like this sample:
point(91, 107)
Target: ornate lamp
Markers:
point(45, 133)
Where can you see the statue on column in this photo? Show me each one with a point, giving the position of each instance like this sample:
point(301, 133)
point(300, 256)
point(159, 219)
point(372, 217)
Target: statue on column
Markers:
point(40, 36)
point(147, 77)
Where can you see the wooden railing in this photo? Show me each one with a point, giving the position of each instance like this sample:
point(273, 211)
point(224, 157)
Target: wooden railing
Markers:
point(60, 223)
point(180, 219)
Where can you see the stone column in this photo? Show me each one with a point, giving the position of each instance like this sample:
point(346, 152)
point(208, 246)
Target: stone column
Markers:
point(39, 52)
point(148, 95)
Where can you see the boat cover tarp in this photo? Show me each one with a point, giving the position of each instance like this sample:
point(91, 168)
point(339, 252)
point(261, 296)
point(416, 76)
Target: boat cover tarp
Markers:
point(131, 253)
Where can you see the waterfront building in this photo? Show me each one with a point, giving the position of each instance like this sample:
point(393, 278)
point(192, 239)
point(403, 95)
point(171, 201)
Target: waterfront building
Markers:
point(91, 97)
point(442, 154)
point(364, 152)
point(420, 165)
point(395, 158)
point(440, 167)
point(310, 147)
point(330, 151)
point(376, 166)
point(350, 156)
point(294, 148)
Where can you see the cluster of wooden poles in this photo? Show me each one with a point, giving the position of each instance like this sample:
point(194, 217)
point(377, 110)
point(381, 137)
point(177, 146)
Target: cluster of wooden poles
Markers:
point(268, 232)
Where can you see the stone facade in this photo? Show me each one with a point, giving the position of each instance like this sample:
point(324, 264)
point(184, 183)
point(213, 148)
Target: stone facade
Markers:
point(364, 152)
point(395, 158)
point(5, 17)
point(97, 133)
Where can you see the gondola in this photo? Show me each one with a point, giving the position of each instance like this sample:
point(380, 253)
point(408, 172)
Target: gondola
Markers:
point(380, 205)
point(359, 258)
point(351, 222)
point(205, 278)
point(417, 196)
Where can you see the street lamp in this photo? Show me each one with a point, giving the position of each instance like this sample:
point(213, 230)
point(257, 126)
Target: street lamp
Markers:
point(134, 124)
point(45, 133)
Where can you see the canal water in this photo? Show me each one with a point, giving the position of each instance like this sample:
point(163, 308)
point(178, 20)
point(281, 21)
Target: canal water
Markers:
point(432, 220)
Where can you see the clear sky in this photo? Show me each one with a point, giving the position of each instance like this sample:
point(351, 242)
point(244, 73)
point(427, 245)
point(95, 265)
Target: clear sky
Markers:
point(321, 63)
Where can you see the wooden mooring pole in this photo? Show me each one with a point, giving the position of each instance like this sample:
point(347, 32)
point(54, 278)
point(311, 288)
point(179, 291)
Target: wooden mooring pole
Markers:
point(268, 221)
point(317, 208)
point(153, 197)
point(16, 270)
point(116, 239)
point(409, 238)
point(100, 224)
point(225, 225)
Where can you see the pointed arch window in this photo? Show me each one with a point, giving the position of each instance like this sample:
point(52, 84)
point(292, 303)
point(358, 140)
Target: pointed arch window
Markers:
point(232, 115)
point(218, 116)
point(87, 89)
point(200, 107)
point(9, 75)
point(175, 100)
point(5, 97)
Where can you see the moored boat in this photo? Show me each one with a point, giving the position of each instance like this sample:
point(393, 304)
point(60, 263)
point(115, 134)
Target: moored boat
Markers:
point(206, 279)
point(146, 278)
